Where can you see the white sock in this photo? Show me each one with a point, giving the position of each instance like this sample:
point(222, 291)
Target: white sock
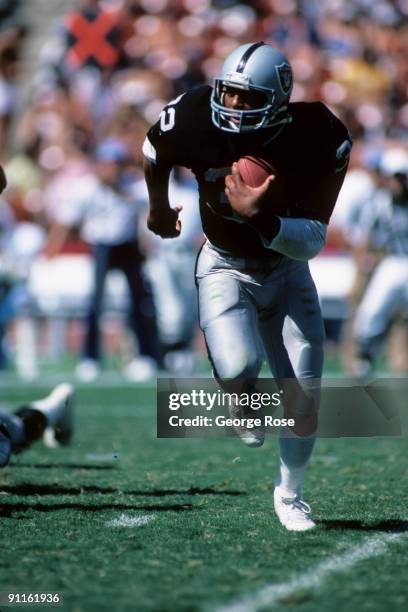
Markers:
point(51, 405)
point(295, 454)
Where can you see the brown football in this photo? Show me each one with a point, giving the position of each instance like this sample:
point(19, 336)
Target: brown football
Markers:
point(254, 171)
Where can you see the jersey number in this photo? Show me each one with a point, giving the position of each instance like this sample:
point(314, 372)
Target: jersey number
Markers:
point(168, 115)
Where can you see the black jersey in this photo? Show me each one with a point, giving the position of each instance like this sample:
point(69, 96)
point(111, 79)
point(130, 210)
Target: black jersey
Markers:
point(314, 145)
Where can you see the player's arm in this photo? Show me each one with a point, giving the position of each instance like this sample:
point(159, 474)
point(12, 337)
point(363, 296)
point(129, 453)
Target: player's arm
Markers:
point(3, 182)
point(297, 238)
point(304, 238)
point(162, 148)
point(300, 238)
point(162, 220)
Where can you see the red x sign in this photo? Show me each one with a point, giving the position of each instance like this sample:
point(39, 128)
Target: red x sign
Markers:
point(91, 41)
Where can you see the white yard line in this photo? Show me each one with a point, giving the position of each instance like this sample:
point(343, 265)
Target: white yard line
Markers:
point(272, 594)
point(125, 520)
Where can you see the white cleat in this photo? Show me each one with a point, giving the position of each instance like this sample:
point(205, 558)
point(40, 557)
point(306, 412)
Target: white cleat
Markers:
point(250, 437)
point(253, 437)
point(293, 512)
point(58, 407)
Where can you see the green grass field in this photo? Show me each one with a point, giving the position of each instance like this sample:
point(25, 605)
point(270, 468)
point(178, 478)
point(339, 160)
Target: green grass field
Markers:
point(201, 532)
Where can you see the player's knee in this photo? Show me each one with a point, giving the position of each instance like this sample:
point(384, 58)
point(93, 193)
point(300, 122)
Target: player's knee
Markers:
point(239, 366)
point(240, 363)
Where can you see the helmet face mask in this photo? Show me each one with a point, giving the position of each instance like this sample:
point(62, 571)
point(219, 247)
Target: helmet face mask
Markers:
point(262, 77)
point(240, 119)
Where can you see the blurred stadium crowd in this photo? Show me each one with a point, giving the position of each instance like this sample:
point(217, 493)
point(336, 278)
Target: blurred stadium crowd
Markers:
point(104, 73)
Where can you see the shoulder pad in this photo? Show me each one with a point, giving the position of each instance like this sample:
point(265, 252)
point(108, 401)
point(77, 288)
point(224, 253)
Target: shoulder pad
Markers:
point(181, 127)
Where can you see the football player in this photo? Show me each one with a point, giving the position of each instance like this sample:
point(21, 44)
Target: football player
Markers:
point(386, 227)
point(170, 269)
point(252, 270)
point(51, 417)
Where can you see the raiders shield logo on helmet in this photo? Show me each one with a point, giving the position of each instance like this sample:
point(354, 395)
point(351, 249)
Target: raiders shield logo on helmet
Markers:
point(285, 77)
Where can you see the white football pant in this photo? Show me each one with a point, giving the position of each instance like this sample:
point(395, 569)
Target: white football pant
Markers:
point(242, 308)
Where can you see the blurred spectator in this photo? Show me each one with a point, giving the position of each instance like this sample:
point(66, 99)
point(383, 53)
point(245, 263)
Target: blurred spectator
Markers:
point(171, 271)
point(387, 293)
point(104, 207)
point(12, 32)
point(21, 239)
point(347, 233)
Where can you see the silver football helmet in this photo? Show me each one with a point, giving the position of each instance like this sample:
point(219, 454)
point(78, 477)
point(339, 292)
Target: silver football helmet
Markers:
point(260, 70)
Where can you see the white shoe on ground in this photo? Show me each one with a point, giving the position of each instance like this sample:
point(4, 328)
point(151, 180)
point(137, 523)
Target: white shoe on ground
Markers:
point(292, 511)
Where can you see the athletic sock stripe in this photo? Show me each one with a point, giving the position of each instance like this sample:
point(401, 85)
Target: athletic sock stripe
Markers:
point(247, 55)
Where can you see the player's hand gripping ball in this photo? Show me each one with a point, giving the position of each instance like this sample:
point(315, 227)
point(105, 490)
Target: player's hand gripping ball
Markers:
point(254, 188)
point(254, 171)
